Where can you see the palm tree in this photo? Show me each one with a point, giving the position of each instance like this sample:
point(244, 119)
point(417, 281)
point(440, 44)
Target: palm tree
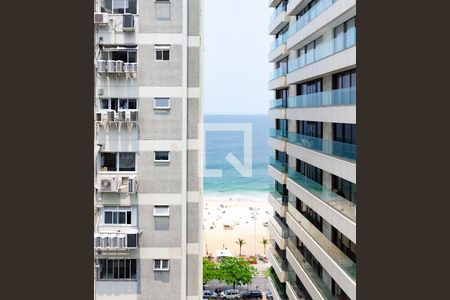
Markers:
point(241, 243)
point(265, 242)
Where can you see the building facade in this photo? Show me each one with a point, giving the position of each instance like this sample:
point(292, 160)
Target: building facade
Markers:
point(148, 149)
point(313, 230)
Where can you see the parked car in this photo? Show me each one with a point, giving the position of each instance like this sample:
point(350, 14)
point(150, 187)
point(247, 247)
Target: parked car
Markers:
point(207, 294)
point(269, 295)
point(253, 294)
point(230, 294)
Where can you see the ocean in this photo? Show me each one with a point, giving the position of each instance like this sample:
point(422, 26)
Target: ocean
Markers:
point(218, 144)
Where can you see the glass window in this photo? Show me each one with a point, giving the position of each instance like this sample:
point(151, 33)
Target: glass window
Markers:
point(104, 103)
point(132, 104)
point(344, 188)
point(161, 103)
point(106, 6)
point(127, 161)
point(116, 269)
point(162, 156)
point(161, 210)
point(108, 161)
point(108, 217)
point(161, 265)
point(162, 52)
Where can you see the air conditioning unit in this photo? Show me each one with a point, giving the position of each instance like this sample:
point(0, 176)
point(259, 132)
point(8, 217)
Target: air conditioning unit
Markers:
point(101, 66)
point(119, 66)
point(132, 185)
point(127, 67)
point(134, 67)
point(128, 22)
point(99, 117)
point(111, 116)
point(108, 184)
point(111, 66)
point(122, 116)
point(101, 18)
point(132, 116)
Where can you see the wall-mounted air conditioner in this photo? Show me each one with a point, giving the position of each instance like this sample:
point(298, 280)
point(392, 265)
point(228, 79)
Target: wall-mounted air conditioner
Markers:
point(132, 116)
point(99, 117)
point(132, 185)
point(127, 67)
point(101, 18)
point(119, 66)
point(111, 66)
point(108, 184)
point(122, 116)
point(101, 66)
point(111, 116)
point(134, 67)
point(128, 22)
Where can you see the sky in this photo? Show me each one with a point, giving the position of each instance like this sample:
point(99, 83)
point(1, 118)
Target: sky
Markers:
point(236, 68)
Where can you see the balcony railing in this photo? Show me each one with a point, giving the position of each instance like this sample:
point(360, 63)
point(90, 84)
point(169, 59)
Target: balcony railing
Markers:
point(342, 260)
point(280, 71)
point(283, 200)
point(345, 96)
point(344, 150)
point(312, 275)
point(279, 165)
point(278, 134)
point(279, 286)
point(279, 226)
point(309, 16)
point(277, 12)
point(278, 103)
point(335, 201)
point(325, 49)
point(291, 279)
point(280, 40)
point(282, 262)
point(116, 241)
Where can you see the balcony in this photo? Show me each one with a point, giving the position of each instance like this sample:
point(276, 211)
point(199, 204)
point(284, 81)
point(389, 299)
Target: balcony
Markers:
point(279, 264)
point(278, 202)
point(292, 291)
point(328, 147)
point(345, 96)
point(277, 78)
point(278, 170)
point(278, 19)
point(277, 139)
point(277, 288)
point(332, 259)
point(324, 50)
point(278, 103)
point(119, 240)
point(278, 232)
point(308, 16)
point(310, 280)
point(278, 134)
point(278, 49)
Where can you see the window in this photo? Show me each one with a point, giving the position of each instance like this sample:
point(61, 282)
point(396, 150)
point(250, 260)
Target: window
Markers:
point(282, 125)
point(161, 103)
point(344, 133)
point(117, 216)
point(118, 104)
point(311, 52)
point(161, 211)
point(125, 54)
point(310, 128)
point(161, 265)
point(344, 188)
point(162, 156)
point(343, 243)
point(162, 52)
point(119, 6)
point(122, 161)
point(344, 35)
point(344, 80)
point(162, 10)
point(309, 171)
point(116, 269)
point(310, 87)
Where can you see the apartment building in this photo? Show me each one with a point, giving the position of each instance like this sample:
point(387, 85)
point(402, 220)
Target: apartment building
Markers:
point(313, 230)
point(148, 149)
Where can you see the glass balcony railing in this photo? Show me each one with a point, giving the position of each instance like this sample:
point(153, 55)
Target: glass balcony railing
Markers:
point(281, 71)
point(325, 49)
point(277, 12)
point(278, 103)
point(317, 281)
point(309, 16)
point(345, 96)
point(278, 134)
point(282, 262)
point(280, 40)
point(279, 286)
point(337, 202)
point(279, 226)
point(342, 260)
point(344, 150)
point(279, 165)
point(283, 200)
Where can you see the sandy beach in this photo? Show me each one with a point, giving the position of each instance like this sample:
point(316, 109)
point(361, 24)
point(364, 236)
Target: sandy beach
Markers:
point(225, 220)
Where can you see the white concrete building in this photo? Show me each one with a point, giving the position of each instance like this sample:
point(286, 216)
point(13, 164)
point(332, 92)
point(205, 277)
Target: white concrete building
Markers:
point(148, 156)
point(313, 230)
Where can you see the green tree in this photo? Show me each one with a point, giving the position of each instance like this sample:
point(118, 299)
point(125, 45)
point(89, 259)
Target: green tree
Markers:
point(211, 271)
point(265, 242)
point(236, 271)
point(241, 243)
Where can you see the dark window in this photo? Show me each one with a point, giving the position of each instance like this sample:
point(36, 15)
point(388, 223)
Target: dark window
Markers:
point(309, 171)
point(116, 269)
point(281, 156)
point(344, 188)
point(131, 240)
point(125, 55)
point(344, 133)
point(343, 243)
point(345, 79)
point(281, 188)
point(310, 128)
point(132, 104)
point(310, 87)
point(162, 156)
point(344, 35)
point(308, 213)
point(127, 161)
point(282, 125)
point(108, 217)
point(162, 52)
point(109, 161)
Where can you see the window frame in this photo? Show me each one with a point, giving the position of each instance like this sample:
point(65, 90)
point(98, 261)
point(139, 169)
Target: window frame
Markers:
point(116, 210)
point(167, 214)
point(161, 107)
point(128, 275)
point(162, 48)
point(119, 49)
point(161, 161)
point(160, 268)
point(100, 109)
point(117, 162)
point(112, 13)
